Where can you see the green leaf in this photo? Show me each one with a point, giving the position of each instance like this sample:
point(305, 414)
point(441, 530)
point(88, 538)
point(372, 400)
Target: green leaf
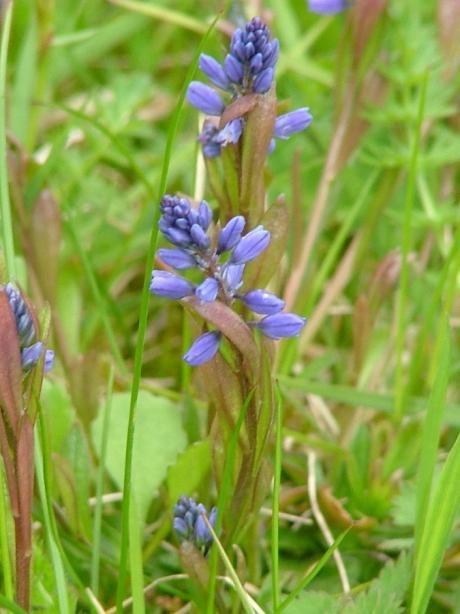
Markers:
point(158, 439)
point(386, 593)
point(190, 469)
point(58, 412)
point(313, 602)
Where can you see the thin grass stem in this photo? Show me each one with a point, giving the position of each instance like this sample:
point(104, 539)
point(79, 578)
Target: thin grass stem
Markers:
point(276, 591)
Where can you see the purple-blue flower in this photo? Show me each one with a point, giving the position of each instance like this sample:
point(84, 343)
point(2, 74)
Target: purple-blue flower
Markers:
point(250, 246)
point(31, 355)
point(327, 7)
point(190, 525)
point(295, 121)
point(24, 323)
point(170, 285)
point(261, 301)
point(207, 291)
point(213, 70)
point(203, 348)
point(232, 276)
point(177, 258)
point(281, 325)
point(185, 226)
point(230, 234)
point(49, 360)
point(205, 99)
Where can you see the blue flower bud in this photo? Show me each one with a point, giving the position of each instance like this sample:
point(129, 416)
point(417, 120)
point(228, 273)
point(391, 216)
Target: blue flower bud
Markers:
point(190, 525)
point(200, 238)
point(177, 258)
point(295, 121)
point(213, 70)
point(207, 291)
point(250, 246)
point(179, 237)
point(203, 348)
point(232, 275)
point(230, 133)
point(31, 355)
point(233, 68)
point(49, 360)
point(261, 301)
point(281, 325)
point(204, 215)
point(25, 326)
point(327, 7)
point(170, 285)
point(230, 234)
point(263, 81)
point(205, 99)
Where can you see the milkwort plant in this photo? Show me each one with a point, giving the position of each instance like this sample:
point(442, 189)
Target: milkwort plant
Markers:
point(235, 248)
point(23, 361)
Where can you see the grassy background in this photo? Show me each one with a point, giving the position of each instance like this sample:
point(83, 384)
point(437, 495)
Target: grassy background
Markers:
point(369, 394)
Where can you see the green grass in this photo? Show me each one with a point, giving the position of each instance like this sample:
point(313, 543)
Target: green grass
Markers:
point(92, 108)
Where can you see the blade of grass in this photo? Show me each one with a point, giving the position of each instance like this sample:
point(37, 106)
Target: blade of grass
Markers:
point(406, 247)
point(5, 549)
point(10, 606)
point(440, 517)
point(163, 14)
point(223, 498)
point(135, 557)
point(57, 563)
point(276, 502)
point(311, 575)
point(7, 226)
point(143, 315)
point(249, 605)
point(96, 553)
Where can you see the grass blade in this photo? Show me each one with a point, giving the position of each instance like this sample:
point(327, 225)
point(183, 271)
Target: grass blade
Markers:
point(7, 226)
point(442, 510)
point(276, 502)
point(4, 545)
point(96, 555)
point(311, 575)
point(162, 13)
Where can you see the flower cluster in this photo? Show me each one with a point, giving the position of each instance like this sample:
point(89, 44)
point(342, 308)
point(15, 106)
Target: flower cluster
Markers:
point(190, 525)
point(223, 265)
point(249, 68)
point(31, 350)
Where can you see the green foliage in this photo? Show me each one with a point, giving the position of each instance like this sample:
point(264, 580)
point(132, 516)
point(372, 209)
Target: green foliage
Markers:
point(159, 438)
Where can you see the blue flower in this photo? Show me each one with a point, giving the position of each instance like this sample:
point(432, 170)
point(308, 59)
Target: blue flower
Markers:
point(170, 285)
point(205, 99)
point(295, 121)
point(327, 7)
point(203, 348)
point(190, 525)
point(250, 246)
point(222, 262)
point(25, 327)
point(261, 301)
point(281, 325)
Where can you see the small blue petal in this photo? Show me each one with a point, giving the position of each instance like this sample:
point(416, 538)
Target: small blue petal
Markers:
point(207, 291)
point(205, 99)
point(31, 355)
point(200, 238)
point(49, 360)
point(232, 275)
point(204, 215)
point(234, 69)
point(327, 7)
point(261, 301)
point(230, 234)
point(177, 258)
point(213, 70)
point(250, 246)
point(170, 285)
point(295, 121)
point(263, 81)
point(203, 349)
point(281, 325)
point(230, 133)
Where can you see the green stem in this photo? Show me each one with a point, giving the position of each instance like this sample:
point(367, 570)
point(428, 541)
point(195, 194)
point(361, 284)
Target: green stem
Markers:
point(276, 595)
point(7, 226)
point(5, 551)
point(95, 562)
point(406, 247)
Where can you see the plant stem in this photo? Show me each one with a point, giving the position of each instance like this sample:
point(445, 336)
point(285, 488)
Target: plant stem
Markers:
point(7, 226)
